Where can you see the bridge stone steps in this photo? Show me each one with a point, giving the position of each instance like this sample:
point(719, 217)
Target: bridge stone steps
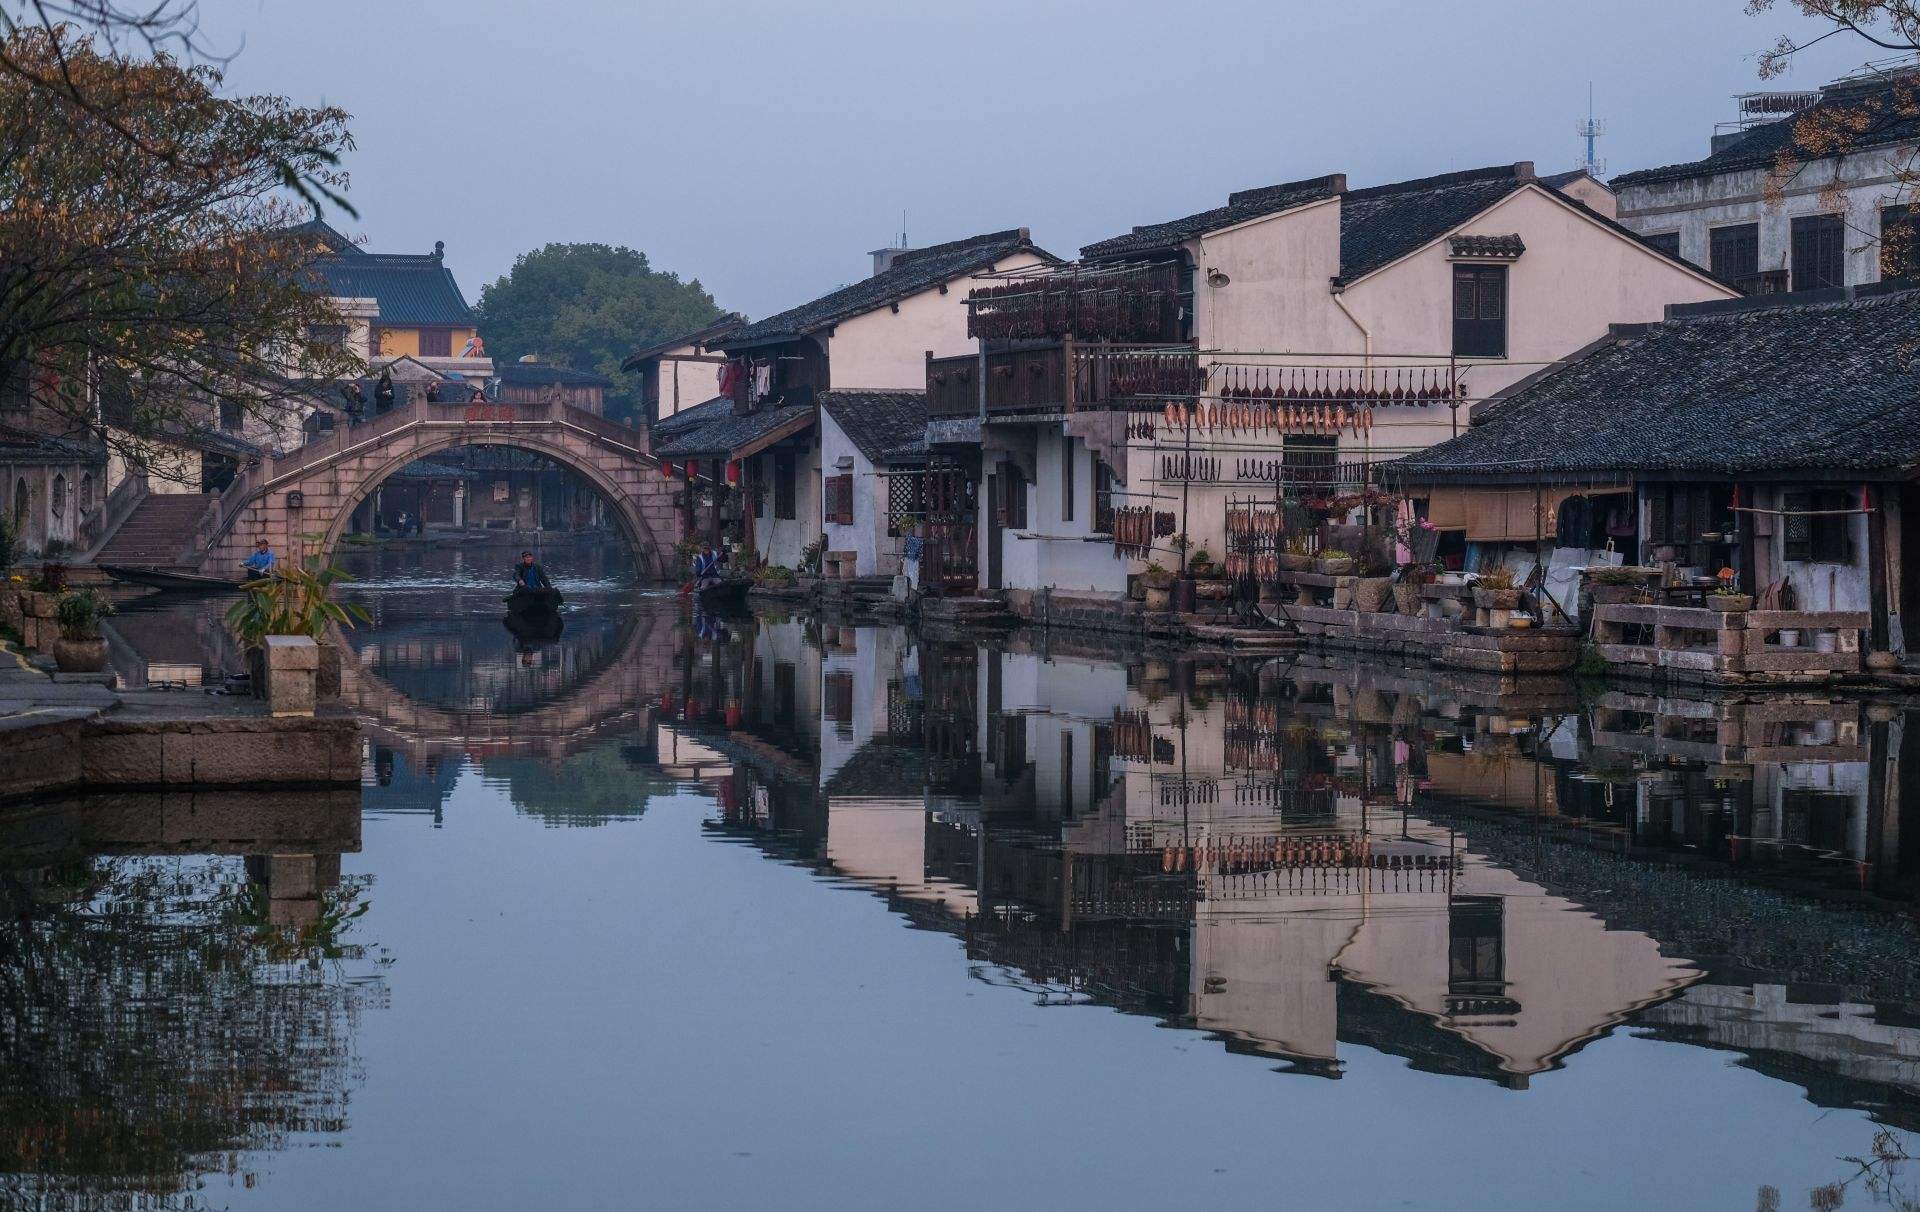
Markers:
point(155, 534)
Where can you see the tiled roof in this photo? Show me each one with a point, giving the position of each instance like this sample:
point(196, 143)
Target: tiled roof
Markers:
point(410, 289)
point(1382, 223)
point(1487, 246)
point(1886, 111)
point(706, 335)
point(688, 418)
point(878, 421)
point(1241, 206)
point(1824, 380)
point(724, 435)
point(911, 272)
point(883, 769)
point(24, 446)
point(525, 373)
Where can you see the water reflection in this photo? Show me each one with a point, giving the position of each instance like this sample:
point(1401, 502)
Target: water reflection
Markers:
point(1300, 858)
point(179, 989)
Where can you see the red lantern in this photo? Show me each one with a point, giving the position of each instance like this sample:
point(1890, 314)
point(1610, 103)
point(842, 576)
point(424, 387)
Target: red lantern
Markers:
point(733, 472)
point(666, 469)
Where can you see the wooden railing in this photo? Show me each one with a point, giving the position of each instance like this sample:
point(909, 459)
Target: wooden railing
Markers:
point(1065, 377)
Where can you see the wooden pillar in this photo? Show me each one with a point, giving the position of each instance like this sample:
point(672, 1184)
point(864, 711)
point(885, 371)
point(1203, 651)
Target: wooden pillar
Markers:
point(719, 494)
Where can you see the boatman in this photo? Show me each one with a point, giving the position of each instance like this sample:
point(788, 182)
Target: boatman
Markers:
point(529, 575)
point(260, 563)
point(706, 568)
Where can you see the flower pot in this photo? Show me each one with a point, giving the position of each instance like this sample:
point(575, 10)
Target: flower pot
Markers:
point(1337, 567)
point(1496, 599)
point(1730, 603)
point(1159, 597)
point(80, 656)
point(1370, 594)
point(1407, 600)
point(1291, 562)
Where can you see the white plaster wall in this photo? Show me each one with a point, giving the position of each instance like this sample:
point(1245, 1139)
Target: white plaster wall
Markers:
point(780, 540)
point(685, 384)
point(888, 349)
point(1058, 556)
point(1695, 206)
point(875, 552)
point(1816, 586)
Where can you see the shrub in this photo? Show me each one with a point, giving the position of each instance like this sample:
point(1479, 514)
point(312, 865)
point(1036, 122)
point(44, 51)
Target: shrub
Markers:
point(292, 600)
point(1497, 577)
point(1622, 574)
point(79, 614)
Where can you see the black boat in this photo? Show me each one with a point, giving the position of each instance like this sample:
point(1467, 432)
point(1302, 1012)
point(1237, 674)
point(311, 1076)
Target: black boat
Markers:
point(170, 579)
point(537, 626)
point(533, 601)
point(729, 593)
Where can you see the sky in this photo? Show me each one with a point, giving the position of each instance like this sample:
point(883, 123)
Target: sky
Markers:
point(764, 148)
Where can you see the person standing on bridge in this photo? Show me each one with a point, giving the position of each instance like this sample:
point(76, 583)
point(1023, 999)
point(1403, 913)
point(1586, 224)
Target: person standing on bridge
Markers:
point(260, 563)
point(529, 575)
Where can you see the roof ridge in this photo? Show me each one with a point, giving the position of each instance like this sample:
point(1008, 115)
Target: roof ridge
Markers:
point(1518, 171)
point(1870, 294)
point(909, 255)
point(1334, 181)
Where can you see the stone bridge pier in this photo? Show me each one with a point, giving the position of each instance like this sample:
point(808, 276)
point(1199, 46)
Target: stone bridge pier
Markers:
point(314, 490)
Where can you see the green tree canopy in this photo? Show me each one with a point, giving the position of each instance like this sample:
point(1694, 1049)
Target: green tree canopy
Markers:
point(585, 307)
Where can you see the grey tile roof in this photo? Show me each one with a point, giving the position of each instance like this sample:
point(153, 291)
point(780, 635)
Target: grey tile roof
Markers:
point(410, 289)
point(882, 768)
point(536, 373)
point(1823, 381)
point(1382, 223)
point(1887, 109)
point(727, 433)
point(706, 334)
point(1241, 206)
point(877, 421)
point(911, 272)
point(690, 417)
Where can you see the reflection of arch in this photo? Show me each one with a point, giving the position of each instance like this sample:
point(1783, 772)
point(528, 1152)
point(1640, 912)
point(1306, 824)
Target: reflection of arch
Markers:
point(633, 524)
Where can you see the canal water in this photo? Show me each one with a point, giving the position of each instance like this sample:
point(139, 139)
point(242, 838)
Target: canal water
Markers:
point(679, 912)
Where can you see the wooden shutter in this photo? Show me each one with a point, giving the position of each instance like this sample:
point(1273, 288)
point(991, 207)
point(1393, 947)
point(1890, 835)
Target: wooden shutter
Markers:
point(436, 343)
point(1013, 509)
point(839, 500)
point(1819, 252)
point(1480, 311)
point(1733, 253)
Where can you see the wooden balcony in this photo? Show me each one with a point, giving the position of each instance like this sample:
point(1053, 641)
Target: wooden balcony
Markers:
point(1063, 377)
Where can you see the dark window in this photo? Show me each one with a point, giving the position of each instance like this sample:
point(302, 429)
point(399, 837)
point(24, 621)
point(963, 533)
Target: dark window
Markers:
point(230, 418)
point(839, 698)
point(1309, 460)
point(1476, 950)
point(1013, 498)
point(1667, 242)
point(1819, 252)
point(1102, 497)
point(1733, 253)
point(783, 507)
point(436, 343)
point(1899, 243)
point(1819, 526)
point(906, 501)
point(330, 336)
point(1480, 311)
point(783, 692)
point(1066, 479)
point(839, 500)
point(1066, 774)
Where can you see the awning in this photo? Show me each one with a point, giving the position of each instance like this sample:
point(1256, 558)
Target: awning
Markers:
point(1507, 514)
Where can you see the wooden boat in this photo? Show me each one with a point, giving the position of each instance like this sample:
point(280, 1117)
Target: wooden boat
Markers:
point(534, 626)
point(729, 593)
point(533, 601)
point(170, 580)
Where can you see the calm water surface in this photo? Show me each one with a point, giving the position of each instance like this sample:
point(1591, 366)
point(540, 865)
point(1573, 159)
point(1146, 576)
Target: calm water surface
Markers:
point(670, 913)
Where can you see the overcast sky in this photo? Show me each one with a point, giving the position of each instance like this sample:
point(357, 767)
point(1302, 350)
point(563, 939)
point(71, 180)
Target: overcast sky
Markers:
point(765, 147)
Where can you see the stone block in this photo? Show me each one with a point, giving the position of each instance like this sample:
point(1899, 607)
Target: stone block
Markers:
point(293, 668)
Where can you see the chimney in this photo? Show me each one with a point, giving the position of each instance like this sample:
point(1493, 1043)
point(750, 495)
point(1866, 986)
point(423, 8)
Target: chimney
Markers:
point(883, 259)
point(1523, 170)
point(1722, 142)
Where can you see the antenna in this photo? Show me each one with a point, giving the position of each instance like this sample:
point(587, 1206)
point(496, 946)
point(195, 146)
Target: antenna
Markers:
point(1591, 130)
point(903, 227)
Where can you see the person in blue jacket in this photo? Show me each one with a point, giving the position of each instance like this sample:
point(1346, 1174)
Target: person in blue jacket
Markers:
point(529, 575)
point(260, 563)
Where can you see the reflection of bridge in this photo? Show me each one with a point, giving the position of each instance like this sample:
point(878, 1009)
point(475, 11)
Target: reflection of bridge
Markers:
point(316, 488)
point(623, 688)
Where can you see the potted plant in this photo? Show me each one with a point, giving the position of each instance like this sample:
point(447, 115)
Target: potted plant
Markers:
point(1298, 556)
point(1726, 596)
point(1495, 590)
point(294, 600)
point(1406, 591)
point(1159, 587)
point(1615, 583)
point(1374, 588)
point(79, 648)
point(1333, 562)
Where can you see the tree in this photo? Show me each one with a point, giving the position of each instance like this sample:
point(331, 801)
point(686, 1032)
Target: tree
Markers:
point(1878, 116)
point(585, 307)
point(140, 294)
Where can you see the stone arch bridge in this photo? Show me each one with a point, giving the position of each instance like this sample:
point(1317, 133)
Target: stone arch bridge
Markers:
point(315, 488)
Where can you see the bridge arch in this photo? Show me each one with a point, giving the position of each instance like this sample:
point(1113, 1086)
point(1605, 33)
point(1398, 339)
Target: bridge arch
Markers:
point(316, 488)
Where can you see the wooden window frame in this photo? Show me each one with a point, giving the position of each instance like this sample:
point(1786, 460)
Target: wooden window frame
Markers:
point(1811, 240)
point(784, 484)
point(836, 499)
point(1728, 249)
point(1013, 497)
point(1817, 537)
point(1480, 310)
point(442, 339)
point(1667, 242)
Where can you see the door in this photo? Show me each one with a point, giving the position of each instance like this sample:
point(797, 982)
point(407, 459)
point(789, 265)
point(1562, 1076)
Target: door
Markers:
point(996, 520)
point(1908, 640)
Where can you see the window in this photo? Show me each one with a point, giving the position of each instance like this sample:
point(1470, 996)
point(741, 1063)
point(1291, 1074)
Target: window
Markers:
point(783, 507)
point(230, 418)
point(332, 337)
point(1733, 253)
point(1667, 242)
point(86, 491)
point(1819, 525)
point(839, 500)
point(1013, 497)
point(59, 503)
point(906, 501)
point(1066, 479)
point(1102, 497)
point(1480, 311)
point(1899, 243)
point(1066, 774)
point(783, 691)
point(839, 698)
point(1309, 460)
point(436, 342)
point(1819, 252)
